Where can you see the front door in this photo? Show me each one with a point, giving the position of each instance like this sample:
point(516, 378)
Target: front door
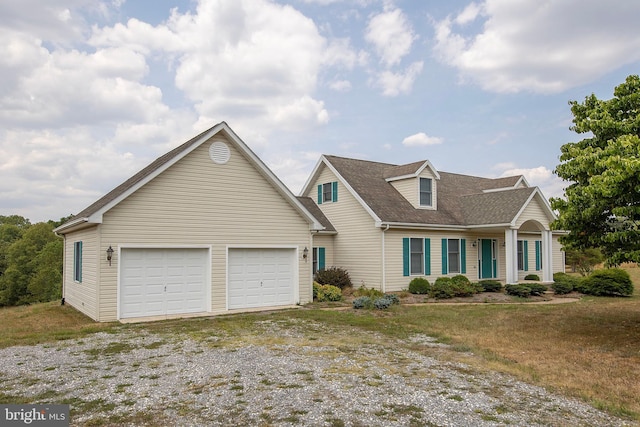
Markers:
point(487, 260)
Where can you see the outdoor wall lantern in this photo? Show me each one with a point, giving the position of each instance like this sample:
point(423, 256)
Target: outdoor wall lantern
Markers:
point(305, 253)
point(109, 254)
point(474, 243)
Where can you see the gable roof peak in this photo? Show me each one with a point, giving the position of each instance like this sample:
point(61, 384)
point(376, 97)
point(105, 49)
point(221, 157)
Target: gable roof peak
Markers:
point(410, 170)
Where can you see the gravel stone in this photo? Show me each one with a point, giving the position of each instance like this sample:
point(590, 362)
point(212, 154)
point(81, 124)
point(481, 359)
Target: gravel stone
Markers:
point(136, 377)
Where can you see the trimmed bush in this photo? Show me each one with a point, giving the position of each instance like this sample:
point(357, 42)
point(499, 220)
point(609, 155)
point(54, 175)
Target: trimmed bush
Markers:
point(334, 276)
point(419, 286)
point(562, 288)
point(518, 290)
point(537, 289)
point(362, 302)
point(382, 303)
point(565, 281)
point(532, 277)
point(395, 299)
point(490, 285)
point(462, 287)
point(323, 293)
point(442, 288)
point(609, 282)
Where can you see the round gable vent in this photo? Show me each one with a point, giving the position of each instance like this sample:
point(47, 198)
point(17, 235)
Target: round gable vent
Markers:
point(219, 152)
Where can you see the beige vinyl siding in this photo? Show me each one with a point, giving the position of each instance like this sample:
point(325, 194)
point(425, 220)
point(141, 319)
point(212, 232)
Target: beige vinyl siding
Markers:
point(83, 295)
point(357, 246)
point(558, 256)
point(535, 212)
point(395, 279)
point(198, 202)
point(410, 189)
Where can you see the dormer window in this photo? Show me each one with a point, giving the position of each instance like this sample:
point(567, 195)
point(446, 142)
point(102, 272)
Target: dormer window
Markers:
point(426, 192)
point(328, 192)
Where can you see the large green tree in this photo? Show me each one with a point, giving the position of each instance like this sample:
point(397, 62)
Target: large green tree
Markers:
point(601, 208)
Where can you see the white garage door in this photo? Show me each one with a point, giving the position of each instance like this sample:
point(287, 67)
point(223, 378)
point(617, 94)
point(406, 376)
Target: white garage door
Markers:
point(156, 282)
point(261, 277)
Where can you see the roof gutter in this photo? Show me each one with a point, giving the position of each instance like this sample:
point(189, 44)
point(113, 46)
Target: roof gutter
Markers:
point(409, 225)
point(70, 224)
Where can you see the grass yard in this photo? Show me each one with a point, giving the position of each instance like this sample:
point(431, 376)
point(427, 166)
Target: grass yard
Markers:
point(589, 349)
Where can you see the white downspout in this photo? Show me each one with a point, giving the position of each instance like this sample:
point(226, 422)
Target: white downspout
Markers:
point(384, 263)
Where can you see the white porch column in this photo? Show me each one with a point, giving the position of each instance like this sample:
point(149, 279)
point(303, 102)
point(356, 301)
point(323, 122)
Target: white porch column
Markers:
point(547, 256)
point(511, 252)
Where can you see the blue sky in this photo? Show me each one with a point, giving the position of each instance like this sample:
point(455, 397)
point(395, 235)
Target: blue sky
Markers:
point(94, 90)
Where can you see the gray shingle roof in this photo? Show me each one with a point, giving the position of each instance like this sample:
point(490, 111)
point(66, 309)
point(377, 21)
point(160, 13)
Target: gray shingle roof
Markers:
point(461, 200)
point(314, 210)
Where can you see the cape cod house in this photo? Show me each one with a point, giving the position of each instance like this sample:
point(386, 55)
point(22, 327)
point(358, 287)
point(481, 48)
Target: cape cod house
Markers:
point(208, 228)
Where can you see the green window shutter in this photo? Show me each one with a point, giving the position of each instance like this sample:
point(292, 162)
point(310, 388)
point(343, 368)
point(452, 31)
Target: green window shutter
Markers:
point(320, 258)
point(538, 255)
point(80, 266)
point(445, 267)
point(334, 191)
point(525, 254)
point(427, 257)
point(463, 256)
point(405, 256)
point(319, 194)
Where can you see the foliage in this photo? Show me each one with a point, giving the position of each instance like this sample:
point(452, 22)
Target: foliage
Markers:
point(583, 261)
point(393, 298)
point(537, 289)
point(489, 285)
point(323, 293)
point(419, 286)
point(362, 302)
point(442, 288)
point(372, 293)
point(523, 291)
point(602, 205)
point(334, 276)
point(609, 282)
point(532, 277)
point(563, 283)
point(30, 262)
point(382, 303)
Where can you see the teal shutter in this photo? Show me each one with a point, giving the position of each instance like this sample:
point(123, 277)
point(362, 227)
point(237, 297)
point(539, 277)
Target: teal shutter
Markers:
point(445, 267)
point(334, 191)
point(463, 256)
point(80, 266)
point(525, 254)
point(405, 256)
point(319, 194)
point(427, 257)
point(538, 255)
point(321, 258)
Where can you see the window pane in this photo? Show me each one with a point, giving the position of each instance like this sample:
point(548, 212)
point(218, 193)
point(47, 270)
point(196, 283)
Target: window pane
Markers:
point(326, 192)
point(425, 192)
point(417, 258)
point(454, 255)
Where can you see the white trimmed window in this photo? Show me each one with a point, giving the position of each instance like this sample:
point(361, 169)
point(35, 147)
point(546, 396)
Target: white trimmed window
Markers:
point(426, 192)
point(77, 261)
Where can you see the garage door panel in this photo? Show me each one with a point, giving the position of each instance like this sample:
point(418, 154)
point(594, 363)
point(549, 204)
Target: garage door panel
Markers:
point(260, 277)
point(161, 281)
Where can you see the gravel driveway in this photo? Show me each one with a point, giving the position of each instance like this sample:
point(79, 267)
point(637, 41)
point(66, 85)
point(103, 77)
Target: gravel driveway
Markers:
point(280, 375)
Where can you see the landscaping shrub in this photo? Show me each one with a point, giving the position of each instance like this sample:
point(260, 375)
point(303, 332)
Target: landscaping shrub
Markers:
point(564, 282)
point(372, 293)
point(395, 299)
point(419, 286)
point(490, 285)
point(532, 277)
point(462, 286)
point(334, 276)
point(323, 293)
point(382, 303)
point(362, 302)
point(537, 289)
point(518, 290)
point(442, 289)
point(609, 282)
point(562, 288)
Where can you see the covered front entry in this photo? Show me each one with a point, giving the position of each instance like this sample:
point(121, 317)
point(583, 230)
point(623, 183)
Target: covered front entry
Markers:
point(261, 277)
point(163, 281)
point(487, 262)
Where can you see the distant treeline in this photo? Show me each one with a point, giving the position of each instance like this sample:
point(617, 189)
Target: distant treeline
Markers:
point(30, 261)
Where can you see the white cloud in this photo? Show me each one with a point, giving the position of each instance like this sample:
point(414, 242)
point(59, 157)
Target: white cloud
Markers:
point(421, 139)
point(535, 46)
point(391, 34)
point(394, 84)
point(542, 177)
point(340, 85)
